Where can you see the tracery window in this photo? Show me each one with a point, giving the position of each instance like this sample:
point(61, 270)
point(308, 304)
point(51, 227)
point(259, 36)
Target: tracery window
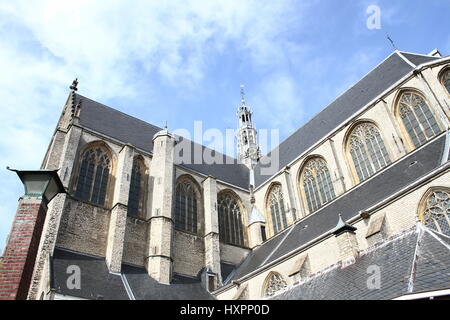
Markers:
point(367, 150)
point(274, 283)
point(417, 118)
point(436, 211)
point(277, 209)
point(186, 207)
point(94, 175)
point(446, 80)
point(317, 185)
point(230, 220)
point(137, 189)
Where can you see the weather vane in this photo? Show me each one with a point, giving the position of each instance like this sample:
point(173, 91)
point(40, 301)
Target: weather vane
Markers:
point(392, 42)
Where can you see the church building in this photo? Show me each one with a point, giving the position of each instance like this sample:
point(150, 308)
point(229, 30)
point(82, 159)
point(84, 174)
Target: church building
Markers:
point(358, 206)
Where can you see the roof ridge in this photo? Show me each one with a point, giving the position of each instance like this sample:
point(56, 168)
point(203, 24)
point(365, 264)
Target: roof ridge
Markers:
point(150, 124)
point(419, 54)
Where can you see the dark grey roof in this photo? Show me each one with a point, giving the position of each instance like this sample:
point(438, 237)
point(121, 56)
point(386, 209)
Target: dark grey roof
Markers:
point(146, 288)
point(418, 59)
point(395, 259)
point(97, 282)
point(433, 263)
point(127, 129)
point(354, 99)
point(400, 174)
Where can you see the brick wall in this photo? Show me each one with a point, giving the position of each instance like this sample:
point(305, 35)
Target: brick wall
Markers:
point(16, 267)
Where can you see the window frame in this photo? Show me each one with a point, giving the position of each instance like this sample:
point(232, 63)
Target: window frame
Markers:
point(405, 134)
point(197, 191)
point(76, 173)
point(348, 155)
point(142, 202)
point(301, 184)
point(424, 203)
point(243, 214)
point(268, 209)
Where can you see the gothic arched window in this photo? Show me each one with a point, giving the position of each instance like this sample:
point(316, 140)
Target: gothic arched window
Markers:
point(94, 175)
point(417, 118)
point(137, 189)
point(435, 211)
point(317, 185)
point(445, 78)
point(367, 150)
point(186, 207)
point(230, 220)
point(273, 283)
point(275, 203)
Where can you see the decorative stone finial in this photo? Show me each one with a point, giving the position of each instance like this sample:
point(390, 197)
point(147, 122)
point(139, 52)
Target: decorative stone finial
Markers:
point(74, 85)
point(342, 226)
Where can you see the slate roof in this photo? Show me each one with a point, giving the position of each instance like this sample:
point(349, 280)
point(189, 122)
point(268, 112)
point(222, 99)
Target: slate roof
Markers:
point(384, 184)
point(98, 283)
point(146, 288)
point(127, 129)
point(354, 99)
point(398, 262)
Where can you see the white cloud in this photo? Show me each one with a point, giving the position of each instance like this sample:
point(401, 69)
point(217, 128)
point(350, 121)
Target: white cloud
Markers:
point(113, 47)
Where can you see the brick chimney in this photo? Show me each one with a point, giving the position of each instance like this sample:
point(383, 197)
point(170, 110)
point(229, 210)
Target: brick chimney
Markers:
point(17, 263)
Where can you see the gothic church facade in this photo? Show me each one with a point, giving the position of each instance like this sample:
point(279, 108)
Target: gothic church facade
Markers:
point(363, 187)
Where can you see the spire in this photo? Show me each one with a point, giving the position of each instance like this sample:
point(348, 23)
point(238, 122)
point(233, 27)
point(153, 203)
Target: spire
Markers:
point(74, 85)
point(242, 95)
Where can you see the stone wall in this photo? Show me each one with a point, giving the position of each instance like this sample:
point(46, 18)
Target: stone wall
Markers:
point(84, 228)
point(135, 242)
point(188, 253)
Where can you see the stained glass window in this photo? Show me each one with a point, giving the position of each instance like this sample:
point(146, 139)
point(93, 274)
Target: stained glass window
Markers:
point(230, 220)
point(417, 118)
point(137, 192)
point(186, 207)
point(446, 80)
point(277, 209)
point(93, 176)
point(367, 150)
point(317, 184)
point(436, 213)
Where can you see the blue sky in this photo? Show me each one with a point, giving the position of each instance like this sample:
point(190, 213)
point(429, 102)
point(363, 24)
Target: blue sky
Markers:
point(183, 61)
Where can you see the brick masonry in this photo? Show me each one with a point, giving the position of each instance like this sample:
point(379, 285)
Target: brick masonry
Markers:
point(16, 268)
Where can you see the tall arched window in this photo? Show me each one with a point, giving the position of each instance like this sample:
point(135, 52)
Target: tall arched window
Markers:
point(230, 220)
point(93, 177)
point(137, 189)
point(435, 210)
point(445, 78)
point(186, 207)
point(367, 150)
point(273, 283)
point(317, 185)
point(275, 203)
point(417, 118)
